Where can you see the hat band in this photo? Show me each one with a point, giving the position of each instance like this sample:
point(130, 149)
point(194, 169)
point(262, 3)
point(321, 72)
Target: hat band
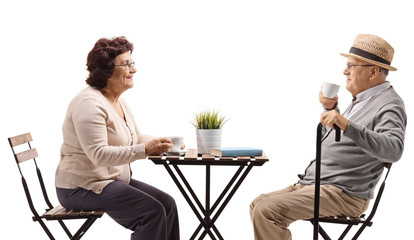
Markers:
point(368, 55)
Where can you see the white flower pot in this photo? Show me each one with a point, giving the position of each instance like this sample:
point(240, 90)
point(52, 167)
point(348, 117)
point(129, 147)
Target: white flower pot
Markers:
point(208, 139)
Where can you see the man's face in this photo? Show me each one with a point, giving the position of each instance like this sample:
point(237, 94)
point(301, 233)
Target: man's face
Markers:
point(357, 77)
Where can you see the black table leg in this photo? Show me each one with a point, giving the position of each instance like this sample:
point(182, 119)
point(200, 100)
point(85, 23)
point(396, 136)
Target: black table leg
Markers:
point(207, 222)
point(226, 201)
point(187, 198)
point(207, 211)
point(217, 202)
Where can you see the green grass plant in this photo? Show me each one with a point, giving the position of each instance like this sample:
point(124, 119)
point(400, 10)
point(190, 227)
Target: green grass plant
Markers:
point(208, 120)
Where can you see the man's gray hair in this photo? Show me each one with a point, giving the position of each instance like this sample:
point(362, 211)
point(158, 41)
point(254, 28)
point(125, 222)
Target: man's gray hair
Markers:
point(384, 71)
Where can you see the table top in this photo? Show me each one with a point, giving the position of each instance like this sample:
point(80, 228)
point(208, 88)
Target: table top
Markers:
point(192, 157)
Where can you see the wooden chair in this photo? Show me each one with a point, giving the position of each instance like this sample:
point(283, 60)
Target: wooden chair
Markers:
point(345, 220)
point(57, 213)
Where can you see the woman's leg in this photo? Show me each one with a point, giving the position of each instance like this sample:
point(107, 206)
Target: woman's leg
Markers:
point(168, 202)
point(126, 204)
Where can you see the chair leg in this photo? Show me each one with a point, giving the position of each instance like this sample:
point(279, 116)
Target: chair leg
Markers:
point(85, 226)
point(345, 232)
point(356, 236)
point(49, 234)
point(323, 233)
point(63, 225)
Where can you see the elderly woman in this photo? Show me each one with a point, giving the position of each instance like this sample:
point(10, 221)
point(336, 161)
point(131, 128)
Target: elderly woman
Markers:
point(101, 139)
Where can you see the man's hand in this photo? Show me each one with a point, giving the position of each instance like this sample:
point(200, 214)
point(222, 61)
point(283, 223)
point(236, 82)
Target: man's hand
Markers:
point(333, 117)
point(157, 146)
point(327, 103)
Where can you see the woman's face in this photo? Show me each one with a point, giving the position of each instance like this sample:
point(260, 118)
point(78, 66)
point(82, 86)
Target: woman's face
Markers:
point(122, 77)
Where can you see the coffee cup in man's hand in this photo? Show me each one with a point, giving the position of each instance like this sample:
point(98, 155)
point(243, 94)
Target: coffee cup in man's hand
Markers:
point(330, 90)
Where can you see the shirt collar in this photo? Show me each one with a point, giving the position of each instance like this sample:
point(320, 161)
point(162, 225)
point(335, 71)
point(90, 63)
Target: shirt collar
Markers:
point(372, 91)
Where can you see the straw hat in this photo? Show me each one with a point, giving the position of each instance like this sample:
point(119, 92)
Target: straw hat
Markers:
point(372, 49)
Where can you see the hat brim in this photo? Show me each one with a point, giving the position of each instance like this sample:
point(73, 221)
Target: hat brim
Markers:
point(370, 61)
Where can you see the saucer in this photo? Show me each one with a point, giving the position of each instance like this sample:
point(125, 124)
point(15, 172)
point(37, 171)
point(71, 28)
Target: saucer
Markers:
point(176, 152)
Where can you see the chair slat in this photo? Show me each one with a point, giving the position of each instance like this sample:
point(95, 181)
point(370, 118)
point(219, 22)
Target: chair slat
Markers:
point(62, 213)
point(26, 155)
point(20, 139)
point(341, 219)
point(95, 213)
point(72, 213)
point(82, 213)
point(98, 213)
point(53, 211)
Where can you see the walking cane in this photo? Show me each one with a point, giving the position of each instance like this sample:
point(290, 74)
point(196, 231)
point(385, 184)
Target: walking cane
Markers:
point(318, 175)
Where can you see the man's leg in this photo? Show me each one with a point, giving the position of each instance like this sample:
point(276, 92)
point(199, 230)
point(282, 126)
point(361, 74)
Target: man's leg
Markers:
point(272, 213)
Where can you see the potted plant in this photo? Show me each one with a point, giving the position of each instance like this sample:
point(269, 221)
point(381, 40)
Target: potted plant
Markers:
point(208, 126)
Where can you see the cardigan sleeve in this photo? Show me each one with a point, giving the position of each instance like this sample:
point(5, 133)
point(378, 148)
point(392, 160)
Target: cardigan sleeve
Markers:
point(90, 119)
point(386, 140)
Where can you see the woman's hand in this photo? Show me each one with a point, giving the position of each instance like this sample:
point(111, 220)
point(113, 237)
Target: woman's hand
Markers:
point(157, 146)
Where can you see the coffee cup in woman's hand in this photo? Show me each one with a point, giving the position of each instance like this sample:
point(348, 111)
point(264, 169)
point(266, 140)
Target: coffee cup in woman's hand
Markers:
point(157, 146)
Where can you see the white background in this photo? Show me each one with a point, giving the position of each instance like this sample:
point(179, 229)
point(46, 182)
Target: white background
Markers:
point(261, 63)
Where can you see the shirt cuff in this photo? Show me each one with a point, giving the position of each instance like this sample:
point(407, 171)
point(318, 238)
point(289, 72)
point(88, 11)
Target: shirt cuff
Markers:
point(353, 131)
point(335, 107)
point(139, 151)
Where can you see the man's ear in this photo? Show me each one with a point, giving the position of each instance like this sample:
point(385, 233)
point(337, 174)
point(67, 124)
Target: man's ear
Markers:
point(375, 71)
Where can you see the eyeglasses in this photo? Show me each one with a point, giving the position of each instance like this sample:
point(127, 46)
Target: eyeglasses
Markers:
point(349, 66)
point(127, 66)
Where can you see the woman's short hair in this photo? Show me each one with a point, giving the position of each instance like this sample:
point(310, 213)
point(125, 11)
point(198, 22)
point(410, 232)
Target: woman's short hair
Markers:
point(101, 59)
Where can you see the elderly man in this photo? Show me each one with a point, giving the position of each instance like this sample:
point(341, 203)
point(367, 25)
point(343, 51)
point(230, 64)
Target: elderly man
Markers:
point(373, 134)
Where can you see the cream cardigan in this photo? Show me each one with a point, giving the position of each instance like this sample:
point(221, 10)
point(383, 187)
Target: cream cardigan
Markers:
point(98, 145)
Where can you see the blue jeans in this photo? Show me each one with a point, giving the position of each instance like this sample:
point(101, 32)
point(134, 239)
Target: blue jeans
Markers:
point(146, 210)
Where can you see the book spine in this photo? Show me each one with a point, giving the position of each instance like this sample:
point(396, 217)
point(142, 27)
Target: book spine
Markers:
point(238, 153)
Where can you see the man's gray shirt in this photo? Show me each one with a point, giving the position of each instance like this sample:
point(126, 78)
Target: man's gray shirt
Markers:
point(375, 136)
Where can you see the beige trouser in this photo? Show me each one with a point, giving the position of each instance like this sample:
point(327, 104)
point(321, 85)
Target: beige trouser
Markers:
point(272, 213)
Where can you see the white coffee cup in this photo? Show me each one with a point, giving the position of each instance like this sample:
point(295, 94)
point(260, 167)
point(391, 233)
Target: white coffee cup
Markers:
point(330, 90)
point(177, 142)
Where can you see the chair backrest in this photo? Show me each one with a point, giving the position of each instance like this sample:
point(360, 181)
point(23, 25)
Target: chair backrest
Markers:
point(379, 193)
point(23, 156)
